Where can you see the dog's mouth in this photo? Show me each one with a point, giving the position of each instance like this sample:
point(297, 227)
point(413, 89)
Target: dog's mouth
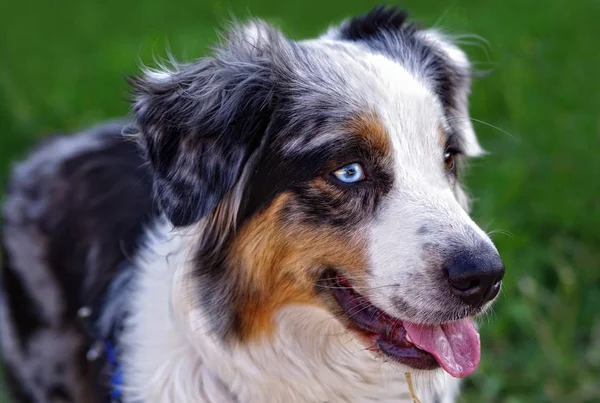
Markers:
point(454, 346)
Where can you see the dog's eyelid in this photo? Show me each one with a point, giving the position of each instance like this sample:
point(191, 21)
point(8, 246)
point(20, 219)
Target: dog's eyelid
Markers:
point(453, 146)
point(453, 150)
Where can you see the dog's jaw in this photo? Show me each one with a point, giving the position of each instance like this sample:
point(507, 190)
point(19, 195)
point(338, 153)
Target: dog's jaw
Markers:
point(311, 357)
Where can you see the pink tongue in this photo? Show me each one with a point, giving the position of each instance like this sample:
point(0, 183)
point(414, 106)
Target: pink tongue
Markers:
point(455, 345)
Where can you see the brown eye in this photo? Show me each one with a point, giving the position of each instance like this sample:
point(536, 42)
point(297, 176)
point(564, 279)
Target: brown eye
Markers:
point(450, 161)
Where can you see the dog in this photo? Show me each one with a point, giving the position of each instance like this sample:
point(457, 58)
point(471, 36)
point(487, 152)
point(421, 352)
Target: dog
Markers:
point(280, 221)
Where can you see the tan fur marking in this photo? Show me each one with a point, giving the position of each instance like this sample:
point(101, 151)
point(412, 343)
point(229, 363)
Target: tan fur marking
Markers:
point(442, 137)
point(280, 261)
point(370, 128)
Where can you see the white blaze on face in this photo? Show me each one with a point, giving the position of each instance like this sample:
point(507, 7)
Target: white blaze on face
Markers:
point(422, 209)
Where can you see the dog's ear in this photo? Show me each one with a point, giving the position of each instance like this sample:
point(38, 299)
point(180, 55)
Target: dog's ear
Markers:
point(199, 123)
point(450, 71)
point(427, 53)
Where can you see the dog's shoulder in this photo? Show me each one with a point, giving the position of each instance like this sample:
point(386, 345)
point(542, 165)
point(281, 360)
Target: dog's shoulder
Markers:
point(81, 199)
point(74, 210)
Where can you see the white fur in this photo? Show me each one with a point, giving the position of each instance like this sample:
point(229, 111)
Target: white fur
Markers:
point(157, 75)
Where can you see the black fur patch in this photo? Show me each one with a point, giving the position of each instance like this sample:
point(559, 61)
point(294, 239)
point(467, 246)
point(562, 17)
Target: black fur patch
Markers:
point(105, 196)
point(18, 390)
point(23, 309)
point(58, 393)
point(380, 19)
point(326, 201)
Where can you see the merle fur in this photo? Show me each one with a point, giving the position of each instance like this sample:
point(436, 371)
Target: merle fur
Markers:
point(89, 210)
point(200, 126)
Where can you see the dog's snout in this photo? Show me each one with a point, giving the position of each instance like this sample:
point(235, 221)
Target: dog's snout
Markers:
point(475, 275)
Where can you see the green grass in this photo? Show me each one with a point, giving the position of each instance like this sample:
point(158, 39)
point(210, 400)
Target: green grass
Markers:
point(62, 66)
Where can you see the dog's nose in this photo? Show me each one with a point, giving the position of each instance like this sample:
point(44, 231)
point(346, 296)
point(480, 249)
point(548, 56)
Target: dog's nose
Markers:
point(475, 275)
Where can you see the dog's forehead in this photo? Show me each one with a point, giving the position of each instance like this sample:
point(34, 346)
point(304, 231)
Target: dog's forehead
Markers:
point(352, 80)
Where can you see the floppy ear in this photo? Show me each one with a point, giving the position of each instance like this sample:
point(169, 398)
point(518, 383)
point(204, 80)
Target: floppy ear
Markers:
point(200, 123)
point(428, 54)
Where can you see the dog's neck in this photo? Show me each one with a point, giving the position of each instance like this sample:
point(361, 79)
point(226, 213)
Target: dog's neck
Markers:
point(171, 357)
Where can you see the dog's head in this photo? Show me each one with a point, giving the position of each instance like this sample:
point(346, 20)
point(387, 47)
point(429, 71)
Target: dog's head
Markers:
point(327, 172)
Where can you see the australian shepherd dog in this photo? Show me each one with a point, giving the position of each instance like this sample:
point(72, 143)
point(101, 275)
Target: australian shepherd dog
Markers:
point(280, 221)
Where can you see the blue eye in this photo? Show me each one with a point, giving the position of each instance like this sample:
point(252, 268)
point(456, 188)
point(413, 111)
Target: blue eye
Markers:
point(350, 173)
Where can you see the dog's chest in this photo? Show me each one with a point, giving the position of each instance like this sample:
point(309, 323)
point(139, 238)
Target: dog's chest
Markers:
point(170, 357)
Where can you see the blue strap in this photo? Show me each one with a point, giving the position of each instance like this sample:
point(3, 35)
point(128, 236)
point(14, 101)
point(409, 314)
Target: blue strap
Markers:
point(109, 325)
point(116, 372)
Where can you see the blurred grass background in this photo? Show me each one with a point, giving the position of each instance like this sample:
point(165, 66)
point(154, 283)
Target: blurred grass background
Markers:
point(62, 67)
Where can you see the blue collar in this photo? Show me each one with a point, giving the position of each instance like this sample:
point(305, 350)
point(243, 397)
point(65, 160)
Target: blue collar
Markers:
point(115, 371)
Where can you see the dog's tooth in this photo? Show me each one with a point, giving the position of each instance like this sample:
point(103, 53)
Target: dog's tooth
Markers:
point(408, 338)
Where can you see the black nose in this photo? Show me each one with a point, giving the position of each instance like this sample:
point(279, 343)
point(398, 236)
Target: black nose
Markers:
point(475, 274)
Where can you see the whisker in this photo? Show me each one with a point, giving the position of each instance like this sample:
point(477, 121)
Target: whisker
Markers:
point(474, 40)
point(501, 231)
point(497, 128)
point(512, 136)
point(358, 288)
point(440, 19)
